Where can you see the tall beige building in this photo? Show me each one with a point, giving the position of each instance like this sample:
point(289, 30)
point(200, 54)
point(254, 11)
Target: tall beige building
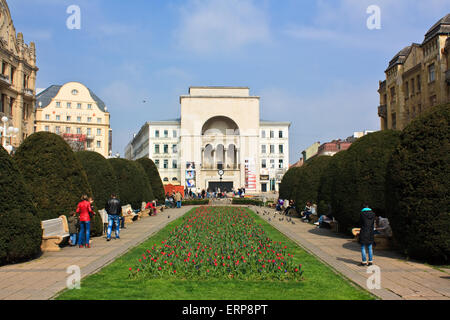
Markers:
point(417, 78)
point(219, 142)
point(17, 77)
point(77, 114)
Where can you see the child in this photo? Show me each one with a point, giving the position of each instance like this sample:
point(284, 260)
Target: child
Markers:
point(73, 228)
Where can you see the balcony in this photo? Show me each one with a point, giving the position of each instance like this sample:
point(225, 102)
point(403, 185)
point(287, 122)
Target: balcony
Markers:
point(447, 77)
point(28, 92)
point(225, 167)
point(90, 137)
point(4, 80)
point(382, 111)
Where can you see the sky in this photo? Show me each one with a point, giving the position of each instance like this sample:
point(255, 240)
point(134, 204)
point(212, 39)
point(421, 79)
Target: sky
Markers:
point(314, 63)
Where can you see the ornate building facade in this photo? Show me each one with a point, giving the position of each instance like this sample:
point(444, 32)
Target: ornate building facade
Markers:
point(17, 77)
point(219, 142)
point(77, 114)
point(417, 78)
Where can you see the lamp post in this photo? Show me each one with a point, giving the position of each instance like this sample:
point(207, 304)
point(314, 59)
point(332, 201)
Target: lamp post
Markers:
point(7, 132)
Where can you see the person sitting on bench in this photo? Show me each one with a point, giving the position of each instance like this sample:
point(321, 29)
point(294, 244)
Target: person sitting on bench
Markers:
point(279, 205)
point(308, 211)
point(291, 206)
point(152, 207)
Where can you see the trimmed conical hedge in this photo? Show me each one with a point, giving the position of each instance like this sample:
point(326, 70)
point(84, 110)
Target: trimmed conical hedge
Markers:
point(362, 178)
point(308, 180)
point(418, 187)
point(20, 229)
point(326, 198)
point(154, 178)
point(147, 192)
point(103, 181)
point(288, 183)
point(54, 176)
point(132, 182)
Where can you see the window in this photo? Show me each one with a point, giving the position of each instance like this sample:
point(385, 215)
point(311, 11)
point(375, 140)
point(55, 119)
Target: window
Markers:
point(413, 89)
point(280, 164)
point(156, 133)
point(78, 130)
point(431, 73)
point(47, 117)
point(69, 105)
point(272, 163)
point(99, 144)
point(272, 148)
point(175, 133)
point(166, 133)
point(263, 149)
point(263, 134)
point(174, 148)
point(393, 95)
point(47, 128)
point(13, 72)
point(99, 120)
point(58, 104)
point(89, 119)
point(280, 149)
point(74, 92)
point(280, 134)
point(406, 90)
point(79, 119)
point(166, 164)
point(156, 148)
point(272, 134)
point(166, 148)
point(166, 179)
point(419, 86)
point(88, 144)
point(174, 179)
point(69, 118)
point(57, 130)
point(89, 106)
point(99, 132)
point(263, 163)
point(157, 164)
point(58, 118)
point(89, 132)
point(78, 105)
point(174, 164)
point(67, 129)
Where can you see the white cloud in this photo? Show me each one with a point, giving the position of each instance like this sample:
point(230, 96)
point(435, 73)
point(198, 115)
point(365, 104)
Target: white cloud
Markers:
point(209, 26)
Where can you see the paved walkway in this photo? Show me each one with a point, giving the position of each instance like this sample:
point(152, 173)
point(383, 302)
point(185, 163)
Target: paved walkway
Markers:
point(400, 279)
point(43, 278)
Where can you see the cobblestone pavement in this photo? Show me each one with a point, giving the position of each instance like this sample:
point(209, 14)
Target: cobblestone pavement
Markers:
point(43, 278)
point(400, 278)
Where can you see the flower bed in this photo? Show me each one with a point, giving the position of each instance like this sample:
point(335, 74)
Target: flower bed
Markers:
point(218, 243)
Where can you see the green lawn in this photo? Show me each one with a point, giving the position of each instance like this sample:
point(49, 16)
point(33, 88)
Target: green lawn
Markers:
point(113, 282)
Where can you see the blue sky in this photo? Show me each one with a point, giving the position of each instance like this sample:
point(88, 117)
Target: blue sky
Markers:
point(314, 63)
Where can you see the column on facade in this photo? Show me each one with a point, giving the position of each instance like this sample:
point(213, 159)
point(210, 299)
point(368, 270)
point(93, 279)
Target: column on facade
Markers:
point(225, 150)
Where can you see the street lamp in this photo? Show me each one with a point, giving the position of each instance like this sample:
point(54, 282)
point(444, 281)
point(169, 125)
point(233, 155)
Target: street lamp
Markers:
point(7, 132)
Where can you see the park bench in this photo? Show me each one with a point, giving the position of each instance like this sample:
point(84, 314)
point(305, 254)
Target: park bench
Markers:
point(54, 232)
point(382, 242)
point(129, 217)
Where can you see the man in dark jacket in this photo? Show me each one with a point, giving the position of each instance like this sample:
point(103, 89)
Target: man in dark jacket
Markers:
point(114, 210)
point(366, 235)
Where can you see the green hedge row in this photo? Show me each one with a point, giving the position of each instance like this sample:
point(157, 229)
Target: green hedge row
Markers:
point(404, 176)
point(195, 202)
point(46, 179)
point(245, 201)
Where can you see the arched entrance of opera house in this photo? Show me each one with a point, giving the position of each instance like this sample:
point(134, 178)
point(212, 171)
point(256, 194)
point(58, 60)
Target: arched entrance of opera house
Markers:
point(220, 139)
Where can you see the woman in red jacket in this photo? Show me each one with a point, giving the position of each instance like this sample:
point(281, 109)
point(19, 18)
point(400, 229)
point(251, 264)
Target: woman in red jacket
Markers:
point(84, 209)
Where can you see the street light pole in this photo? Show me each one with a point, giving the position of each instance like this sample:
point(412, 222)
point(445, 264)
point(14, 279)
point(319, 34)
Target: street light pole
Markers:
point(6, 133)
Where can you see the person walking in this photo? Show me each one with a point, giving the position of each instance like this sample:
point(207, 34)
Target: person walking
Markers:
point(84, 211)
point(366, 235)
point(114, 210)
point(178, 198)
